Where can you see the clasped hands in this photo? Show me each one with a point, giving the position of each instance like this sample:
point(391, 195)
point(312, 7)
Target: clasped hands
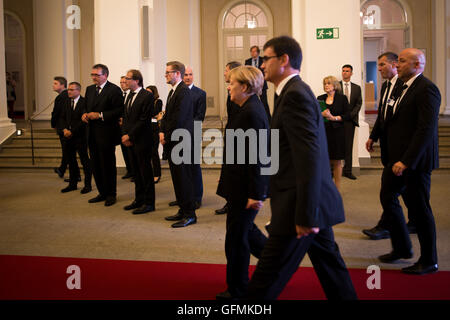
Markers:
point(126, 141)
point(90, 116)
point(327, 114)
point(67, 133)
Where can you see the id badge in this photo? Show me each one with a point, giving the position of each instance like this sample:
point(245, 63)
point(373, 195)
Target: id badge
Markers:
point(391, 102)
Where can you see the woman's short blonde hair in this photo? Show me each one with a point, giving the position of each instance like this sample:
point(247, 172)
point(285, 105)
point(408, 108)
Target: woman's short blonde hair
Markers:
point(333, 81)
point(250, 76)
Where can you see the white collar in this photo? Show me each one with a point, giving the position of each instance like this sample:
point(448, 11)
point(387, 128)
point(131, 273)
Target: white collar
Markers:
point(410, 81)
point(192, 85)
point(176, 85)
point(283, 83)
point(103, 85)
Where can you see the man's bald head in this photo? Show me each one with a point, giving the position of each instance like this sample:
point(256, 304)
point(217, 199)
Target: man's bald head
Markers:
point(188, 76)
point(411, 62)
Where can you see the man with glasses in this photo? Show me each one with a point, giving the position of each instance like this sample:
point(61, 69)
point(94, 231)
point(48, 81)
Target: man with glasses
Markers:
point(104, 102)
point(179, 115)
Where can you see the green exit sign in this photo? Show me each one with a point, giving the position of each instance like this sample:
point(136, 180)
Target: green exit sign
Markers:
point(327, 33)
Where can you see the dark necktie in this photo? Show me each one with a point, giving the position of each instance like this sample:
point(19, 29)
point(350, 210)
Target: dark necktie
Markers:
point(275, 102)
point(97, 90)
point(129, 100)
point(390, 107)
point(169, 96)
point(72, 104)
point(386, 97)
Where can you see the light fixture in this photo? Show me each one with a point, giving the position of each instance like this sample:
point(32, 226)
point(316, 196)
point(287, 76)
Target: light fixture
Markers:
point(250, 22)
point(19, 132)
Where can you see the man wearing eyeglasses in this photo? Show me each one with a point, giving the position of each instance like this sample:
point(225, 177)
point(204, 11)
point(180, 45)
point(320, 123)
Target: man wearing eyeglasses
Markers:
point(104, 102)
point(179, 115)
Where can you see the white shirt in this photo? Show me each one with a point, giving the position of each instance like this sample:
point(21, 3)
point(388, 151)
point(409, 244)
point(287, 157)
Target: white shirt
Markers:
point(102, 86)
point(190, 87)
point(75, 101)
point(349, 88)
point(283, 83)
point(408, 83)
point(135, 95)
point(393, 81)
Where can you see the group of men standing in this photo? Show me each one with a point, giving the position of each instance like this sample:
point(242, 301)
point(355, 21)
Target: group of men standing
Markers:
point(108, 116)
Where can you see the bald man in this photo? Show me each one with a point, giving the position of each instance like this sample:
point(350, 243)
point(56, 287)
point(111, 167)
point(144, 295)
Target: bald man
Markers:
point(411, 129)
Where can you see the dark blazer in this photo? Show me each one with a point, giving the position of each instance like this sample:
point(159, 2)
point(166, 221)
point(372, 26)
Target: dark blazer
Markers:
point(248, 62)
point(179, 114)
point(58, 107)
point(199, 103)
point(340, 107)
point(302, 192)
point(137, 120)
point(243, 181)
point(71, 119)
point(412, 133)
point(157, 107)
point(110, 102)
point(355, 102)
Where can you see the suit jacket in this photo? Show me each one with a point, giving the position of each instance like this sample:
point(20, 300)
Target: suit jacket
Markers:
point(137, 120)
point(179, 114)
point(248, 62)
point(355, 102)
point(302, 191)
point(412, 132)
point(199, 103)
point(105, 132)
point(71, 119)
point(242, 181)
point(58, 107)
point(340, 107)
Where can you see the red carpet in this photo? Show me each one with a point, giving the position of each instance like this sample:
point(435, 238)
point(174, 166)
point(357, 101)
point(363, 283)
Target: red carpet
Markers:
point(45, 278)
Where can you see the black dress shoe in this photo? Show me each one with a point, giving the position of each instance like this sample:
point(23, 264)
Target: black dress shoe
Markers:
point(157, 180)
point(144, 209)
point(394, 256)
point(127, 176)
point(173, 203)
point(350, 176)
point(132, 206)
point(86, 189)
point(226, 295)
point(176, 217)
point(110, 200)
point(377, 233)
point(59, 172)
point(222, 210)
point(98, 198)
point(419, 268)
point(69, 188)
point(185, 222)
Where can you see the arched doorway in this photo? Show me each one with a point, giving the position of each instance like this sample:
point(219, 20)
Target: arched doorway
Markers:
point(15, 66)
point(242, 24)
point(386, 26)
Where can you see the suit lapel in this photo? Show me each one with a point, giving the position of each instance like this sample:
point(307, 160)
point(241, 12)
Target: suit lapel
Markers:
point(409, 93)
point(281, 97)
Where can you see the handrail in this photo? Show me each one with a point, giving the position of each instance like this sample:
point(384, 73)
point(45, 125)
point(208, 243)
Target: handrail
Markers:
point(30, 121)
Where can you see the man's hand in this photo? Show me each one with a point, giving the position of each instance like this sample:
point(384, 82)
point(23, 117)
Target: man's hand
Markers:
point(369, 145)
point(93, 115)
point(398, 168)
point(120, 121)
point(85, 118)
point(126, 141)
point(161, 138)
point(254, 204)
point(67, 133)
point(304, 231)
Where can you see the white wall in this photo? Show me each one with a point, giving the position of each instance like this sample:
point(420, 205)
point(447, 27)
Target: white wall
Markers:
point(326, 57)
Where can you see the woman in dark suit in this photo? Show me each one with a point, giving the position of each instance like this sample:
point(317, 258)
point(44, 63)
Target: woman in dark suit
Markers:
point(242, 185)
point(156, 116)
point(336, 112)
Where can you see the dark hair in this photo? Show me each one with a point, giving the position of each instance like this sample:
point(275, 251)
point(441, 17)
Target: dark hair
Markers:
point(75, 84)
point(137, 75)
point(61, 80)
point(154, 91)
point(104, 68)
point(177, 66)
point(347, 66)
point(257, 48)
point(390, 56)
point(286, 45)
point(233, 64)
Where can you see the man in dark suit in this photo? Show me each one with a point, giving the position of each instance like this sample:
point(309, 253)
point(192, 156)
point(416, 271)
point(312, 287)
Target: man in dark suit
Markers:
point(136, 133)
point(74, 132)
point(353, 93)
point(256, 61)
point(179, 115)
point(104, 102)
point(411, 153)
point(304, 200)
point(126, 157)
point(387, 66)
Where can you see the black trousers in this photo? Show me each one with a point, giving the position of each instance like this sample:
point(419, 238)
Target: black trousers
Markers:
point(349, 128)
point(64, 161)
point(384, 221)
point(415, 186)
point(282, 256)
point(72, 147)
point(183, 187)
point(155, 154)
point(126, 158)
point(143, 175)
point(242, 239)
point(103, 160)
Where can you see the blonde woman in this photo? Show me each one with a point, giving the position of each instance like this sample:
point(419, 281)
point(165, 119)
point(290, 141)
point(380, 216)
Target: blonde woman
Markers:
point(336, 112)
